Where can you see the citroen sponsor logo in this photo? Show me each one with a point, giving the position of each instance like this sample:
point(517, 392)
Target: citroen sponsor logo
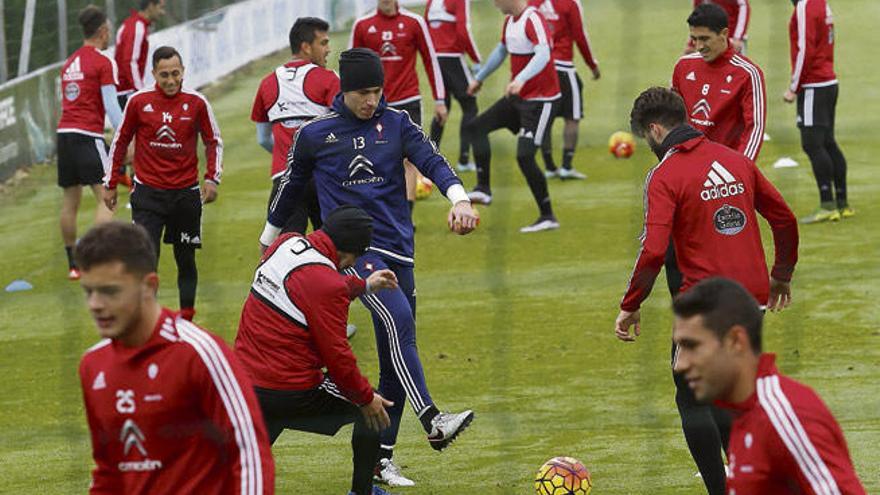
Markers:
point(133, 439)
point(131, 436)
point(360, 172)
point(703, 107)
point(166, 138)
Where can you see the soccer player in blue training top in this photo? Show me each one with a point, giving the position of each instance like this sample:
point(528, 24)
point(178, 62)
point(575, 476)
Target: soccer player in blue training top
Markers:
point(355, 155)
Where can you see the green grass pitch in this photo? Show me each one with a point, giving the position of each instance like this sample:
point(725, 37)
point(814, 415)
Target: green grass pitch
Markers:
point(519, 328)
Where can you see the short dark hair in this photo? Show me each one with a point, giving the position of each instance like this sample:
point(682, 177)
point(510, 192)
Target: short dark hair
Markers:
point(91, 18)
point(143, 4)
point(722, 303)
point(117, 241)
point(303, 31)
point(657, 106)
point(166, 52)
point(708, 15)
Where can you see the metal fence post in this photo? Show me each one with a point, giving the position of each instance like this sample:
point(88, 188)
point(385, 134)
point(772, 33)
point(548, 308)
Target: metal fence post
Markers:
point(4, 73)
point(62, 29)
point(27, 33)
point(111, 15)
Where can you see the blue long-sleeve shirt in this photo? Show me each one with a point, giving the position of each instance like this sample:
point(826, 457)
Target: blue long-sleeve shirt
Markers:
point(360, 162)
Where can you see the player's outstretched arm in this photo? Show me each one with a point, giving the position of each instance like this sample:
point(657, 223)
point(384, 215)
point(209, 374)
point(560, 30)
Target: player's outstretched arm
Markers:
point(659, 214)
point(463, 218)
point(300, 164)
point(381, 280)
point(783, 224)
point(626, 320)
point(496, 58)
point(422, 152)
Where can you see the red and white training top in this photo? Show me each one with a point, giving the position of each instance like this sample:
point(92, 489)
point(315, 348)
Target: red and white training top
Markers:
point(132, 47)
point(165, 130)
point(82, 106)
point(785, 441)
point(738, 15)
point(811, 30)
point(565, 18)
point(449, 22)
point(175, 415)
point(293, 323)
point(725, 99)
point(520, 36)
point(705, 197)
point(293, 94)
point(397, 38)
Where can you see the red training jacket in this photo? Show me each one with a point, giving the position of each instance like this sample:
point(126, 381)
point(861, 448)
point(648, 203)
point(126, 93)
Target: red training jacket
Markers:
point(449, 22)
point(811, 30)
point(318, 89)
point(175, 415)
point(396, 39)
point(82, 76)
point(165, 129)
point(276, 348)
point(132, 47)
point(725, 98)
point(565, 18)
point(785, 441)
point(704, 196)
point(738, 14)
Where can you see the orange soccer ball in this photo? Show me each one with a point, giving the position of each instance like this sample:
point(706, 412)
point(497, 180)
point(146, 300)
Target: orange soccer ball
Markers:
point(563, 476)
point(621, 144)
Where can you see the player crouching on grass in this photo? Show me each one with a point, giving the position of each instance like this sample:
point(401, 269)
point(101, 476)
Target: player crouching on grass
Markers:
point(169, 407)
point(293, 326)
point(784, 440)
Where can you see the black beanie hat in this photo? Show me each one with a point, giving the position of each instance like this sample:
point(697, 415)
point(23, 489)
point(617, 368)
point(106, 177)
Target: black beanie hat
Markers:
point(350, 228)
point(360, 68)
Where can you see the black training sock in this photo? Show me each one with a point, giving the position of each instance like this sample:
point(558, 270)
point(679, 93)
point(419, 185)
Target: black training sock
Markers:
point(549, 164)
point(385, 452)
point(412, 205)
point(525, 157)
point(365, 455)
point(703, 437)
point(436, 132)
point(839, 162)
point(482, 155)
point(813, 144)
point(70, 263)
point(187, 274)
point(567, 157)
point(427, 416)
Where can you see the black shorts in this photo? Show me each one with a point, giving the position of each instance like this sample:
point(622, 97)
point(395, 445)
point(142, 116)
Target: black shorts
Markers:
point(456, 76)
point(816, 107)
point(176, 211)
point(413, 108)
point(323, 410)
point(81, 159)
point(571, 104)
point(525, 118)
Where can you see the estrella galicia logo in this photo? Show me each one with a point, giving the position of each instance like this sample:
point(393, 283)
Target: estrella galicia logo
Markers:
point(71, 91)
point(729, 220)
